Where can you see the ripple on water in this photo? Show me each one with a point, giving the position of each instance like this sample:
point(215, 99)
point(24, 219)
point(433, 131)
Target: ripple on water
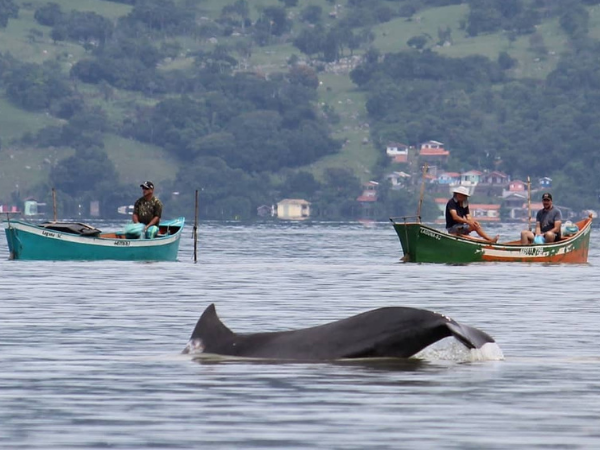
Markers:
point(90, 352)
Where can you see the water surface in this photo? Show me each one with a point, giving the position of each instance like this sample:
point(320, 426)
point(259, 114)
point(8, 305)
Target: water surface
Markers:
point(90, 351)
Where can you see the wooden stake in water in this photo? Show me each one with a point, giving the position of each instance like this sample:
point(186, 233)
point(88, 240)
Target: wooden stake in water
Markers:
point(528, 203)
point(54, 203)
point(422, 192)
point(196, 229)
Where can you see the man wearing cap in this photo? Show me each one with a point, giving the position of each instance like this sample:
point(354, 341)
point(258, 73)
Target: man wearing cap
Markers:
point(547, 223)
point(147, 208)
point(458, 216)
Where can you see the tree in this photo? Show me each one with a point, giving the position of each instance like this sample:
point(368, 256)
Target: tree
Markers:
point(303, 75)
point(36, 86)
point(417, 42)
point(505, 61)
point(310, 42)
point(300, 184)
point(83, 171)
point(311, 14)
point(49, 14)
point(8, 10)
point(483, 17)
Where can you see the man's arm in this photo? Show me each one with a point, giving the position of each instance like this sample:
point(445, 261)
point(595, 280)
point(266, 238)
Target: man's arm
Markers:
point(557, 225)
point(154, 221)
point(136, 208)
point(457, 218)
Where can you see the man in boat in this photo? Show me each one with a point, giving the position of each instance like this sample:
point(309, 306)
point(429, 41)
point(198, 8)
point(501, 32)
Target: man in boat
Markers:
point(458, 217)
point(547, 223)
point(147, 208)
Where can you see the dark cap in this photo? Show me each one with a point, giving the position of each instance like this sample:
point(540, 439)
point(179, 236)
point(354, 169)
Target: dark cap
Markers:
point(547, 196)
point(147, 185)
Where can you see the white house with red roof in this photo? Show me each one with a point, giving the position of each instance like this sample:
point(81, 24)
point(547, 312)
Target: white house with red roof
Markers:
point(398, 152)
point(369, 192)
point(434, 152)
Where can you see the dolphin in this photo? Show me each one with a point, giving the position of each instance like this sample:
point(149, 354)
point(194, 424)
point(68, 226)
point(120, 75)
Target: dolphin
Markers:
point(390, 332)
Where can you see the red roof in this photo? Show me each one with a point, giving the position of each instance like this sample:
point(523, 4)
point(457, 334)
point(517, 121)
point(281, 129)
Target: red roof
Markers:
point(367, 198)
point(434, 152)
point(450, 174)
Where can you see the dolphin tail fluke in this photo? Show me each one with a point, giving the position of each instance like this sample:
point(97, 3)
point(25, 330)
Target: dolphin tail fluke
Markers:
point(470, 337)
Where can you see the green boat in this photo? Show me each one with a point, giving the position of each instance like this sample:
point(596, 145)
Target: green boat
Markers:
point(63, 241)
point(425, 244)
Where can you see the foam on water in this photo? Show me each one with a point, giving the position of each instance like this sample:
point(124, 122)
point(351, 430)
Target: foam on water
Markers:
point(450, 349)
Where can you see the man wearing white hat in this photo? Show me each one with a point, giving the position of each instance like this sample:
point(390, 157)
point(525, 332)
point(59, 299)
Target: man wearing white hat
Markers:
point(458, 216)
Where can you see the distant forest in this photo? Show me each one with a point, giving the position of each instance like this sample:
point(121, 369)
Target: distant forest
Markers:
point(246, 138)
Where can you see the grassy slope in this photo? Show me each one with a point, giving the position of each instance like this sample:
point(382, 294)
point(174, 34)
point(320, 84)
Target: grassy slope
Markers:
point(133, 159)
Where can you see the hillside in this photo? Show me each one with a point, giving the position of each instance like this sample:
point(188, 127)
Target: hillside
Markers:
point(28, 166)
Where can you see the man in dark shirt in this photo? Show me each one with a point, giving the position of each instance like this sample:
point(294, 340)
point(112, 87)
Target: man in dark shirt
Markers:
point(147, 209)
point(458, 216)
point(547, 223)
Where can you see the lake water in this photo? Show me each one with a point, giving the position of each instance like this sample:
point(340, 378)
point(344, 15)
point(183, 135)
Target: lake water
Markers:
point(90, 351)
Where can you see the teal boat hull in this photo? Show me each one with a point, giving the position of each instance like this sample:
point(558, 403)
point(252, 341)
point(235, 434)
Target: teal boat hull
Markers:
point(27, 241)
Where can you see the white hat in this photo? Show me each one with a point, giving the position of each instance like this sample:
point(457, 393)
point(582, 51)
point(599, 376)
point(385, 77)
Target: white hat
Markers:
point(461, 190)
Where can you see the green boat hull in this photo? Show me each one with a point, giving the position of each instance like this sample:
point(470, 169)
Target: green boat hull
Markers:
point(424, 244)
point(28, 241)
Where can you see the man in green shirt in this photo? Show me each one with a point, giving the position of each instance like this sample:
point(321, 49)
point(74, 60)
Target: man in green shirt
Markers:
point(148, 208)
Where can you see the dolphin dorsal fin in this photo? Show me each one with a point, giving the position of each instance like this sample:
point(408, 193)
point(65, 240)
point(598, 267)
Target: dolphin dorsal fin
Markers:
point(209, 326)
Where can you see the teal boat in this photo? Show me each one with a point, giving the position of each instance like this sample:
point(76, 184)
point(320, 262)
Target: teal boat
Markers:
point(64, 241)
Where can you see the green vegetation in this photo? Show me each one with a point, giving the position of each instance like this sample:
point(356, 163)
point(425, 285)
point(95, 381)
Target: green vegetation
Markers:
point(251, 101)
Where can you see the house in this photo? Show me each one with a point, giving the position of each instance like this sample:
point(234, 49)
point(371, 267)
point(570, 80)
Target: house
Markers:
point(293, 209)
point(470, 178)
point(398, 152)
point(10, 209)
point(433, 152)
point(95, 208)
point(481, 212)
point(446, 178)
point(517, 186)
point(485, 212)
point(33, 208)
point(398, 179)
point(545, 182)
point(494, 178)
point(369, 192)
point(441, 204)
point(514, 200)
point(396, 148)
point(265, 211)
point(516, 205)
